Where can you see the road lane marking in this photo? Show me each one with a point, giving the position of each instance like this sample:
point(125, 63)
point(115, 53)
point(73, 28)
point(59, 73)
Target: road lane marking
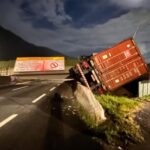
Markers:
point(1, 97)
point(52, 88)
point(39, 98)
point(21, 83)
point(20, 88)
point(63, 80)
point(8, 120)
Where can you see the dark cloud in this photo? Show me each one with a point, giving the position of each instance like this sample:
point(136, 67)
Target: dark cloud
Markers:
point(44, 23)
point(88, 13)
point(37, 21)
point(51, 10)
point(27, 12)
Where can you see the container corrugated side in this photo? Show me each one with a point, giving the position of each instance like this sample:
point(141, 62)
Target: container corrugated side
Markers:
point(120, 64)
point(118, 77)
point(116, 56)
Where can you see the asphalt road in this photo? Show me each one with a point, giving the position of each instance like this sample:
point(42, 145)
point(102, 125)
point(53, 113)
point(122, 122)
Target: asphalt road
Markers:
point(32, 117)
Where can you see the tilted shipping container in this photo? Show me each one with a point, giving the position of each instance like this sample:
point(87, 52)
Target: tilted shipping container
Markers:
point(120, 64)
point(113, 67)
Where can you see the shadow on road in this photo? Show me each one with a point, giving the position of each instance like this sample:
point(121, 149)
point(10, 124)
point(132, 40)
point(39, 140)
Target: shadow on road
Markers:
point(54, 137)
point(66, 131)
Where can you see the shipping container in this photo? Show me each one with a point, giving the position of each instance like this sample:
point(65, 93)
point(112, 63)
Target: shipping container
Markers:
point(111, 68)
point(120, 64)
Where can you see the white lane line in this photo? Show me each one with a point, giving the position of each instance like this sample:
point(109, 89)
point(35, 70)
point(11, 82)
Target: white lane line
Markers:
point(20, 88)
point(62, 80)
point(39, 98)
point(27, 82)
point(8, 119)
point(52, 88)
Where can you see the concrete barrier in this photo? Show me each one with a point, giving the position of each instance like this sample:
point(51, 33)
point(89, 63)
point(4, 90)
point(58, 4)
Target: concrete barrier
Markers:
point(90, 105)
point(5, 79)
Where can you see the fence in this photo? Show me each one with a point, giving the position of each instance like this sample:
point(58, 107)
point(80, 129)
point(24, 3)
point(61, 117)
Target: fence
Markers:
point(144, 88)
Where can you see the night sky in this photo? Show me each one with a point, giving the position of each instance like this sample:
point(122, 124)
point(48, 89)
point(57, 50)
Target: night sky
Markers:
point(74, 26)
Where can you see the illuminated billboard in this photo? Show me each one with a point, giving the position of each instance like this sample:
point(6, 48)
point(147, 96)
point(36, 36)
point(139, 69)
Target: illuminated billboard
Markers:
point(27, 64)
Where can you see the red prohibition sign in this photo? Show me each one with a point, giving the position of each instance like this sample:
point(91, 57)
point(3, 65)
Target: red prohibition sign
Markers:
point(54, 65)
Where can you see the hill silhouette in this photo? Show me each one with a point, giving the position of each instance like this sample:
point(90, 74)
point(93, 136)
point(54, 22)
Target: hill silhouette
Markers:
point(12, 46)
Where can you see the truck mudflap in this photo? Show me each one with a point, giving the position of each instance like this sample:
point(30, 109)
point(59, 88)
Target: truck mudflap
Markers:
point(83, 76)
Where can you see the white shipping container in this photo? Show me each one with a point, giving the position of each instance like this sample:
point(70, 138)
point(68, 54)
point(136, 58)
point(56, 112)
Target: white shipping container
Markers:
point(144, 88)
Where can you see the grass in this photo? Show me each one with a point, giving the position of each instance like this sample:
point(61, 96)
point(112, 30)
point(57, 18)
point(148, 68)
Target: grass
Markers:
point(5, 64)
point(120, 124)
point(147, 97)
point(71, 61)
point(89, 121)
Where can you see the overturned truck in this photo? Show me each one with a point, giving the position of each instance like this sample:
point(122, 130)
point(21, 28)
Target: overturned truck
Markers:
point(112, 68)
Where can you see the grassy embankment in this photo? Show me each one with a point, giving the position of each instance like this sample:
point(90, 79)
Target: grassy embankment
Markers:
point(120, 125)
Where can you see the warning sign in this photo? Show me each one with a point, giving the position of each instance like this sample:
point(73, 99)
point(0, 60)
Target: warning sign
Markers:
point(27, 64)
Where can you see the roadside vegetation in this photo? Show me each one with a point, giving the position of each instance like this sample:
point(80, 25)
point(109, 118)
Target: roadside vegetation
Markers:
point(146, 98)
point(71, 61)
point(120, 126)
point(5, 64)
